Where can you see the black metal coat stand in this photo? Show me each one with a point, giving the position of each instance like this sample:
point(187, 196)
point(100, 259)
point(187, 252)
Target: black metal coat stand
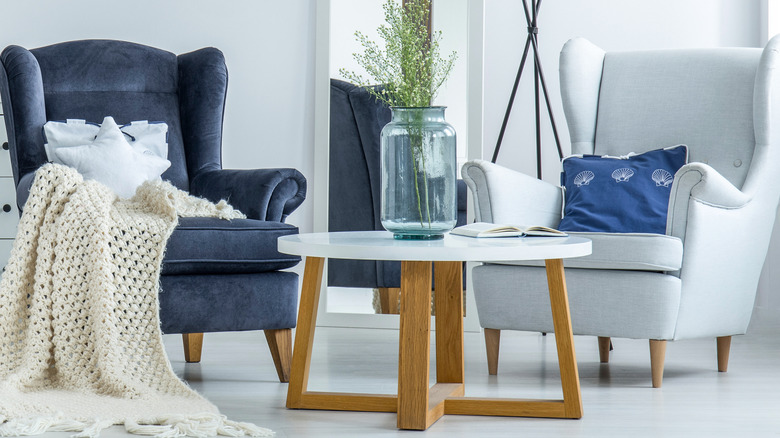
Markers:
point(531, 41)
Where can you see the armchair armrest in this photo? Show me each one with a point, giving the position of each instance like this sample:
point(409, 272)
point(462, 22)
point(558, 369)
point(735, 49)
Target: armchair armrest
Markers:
point(502, 195)
point(265, 194)
point(701, 183)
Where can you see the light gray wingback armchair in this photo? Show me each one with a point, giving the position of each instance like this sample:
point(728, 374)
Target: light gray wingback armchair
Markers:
point(700, 278)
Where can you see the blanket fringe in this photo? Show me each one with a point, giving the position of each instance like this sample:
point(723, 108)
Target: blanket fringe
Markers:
point(39, 425)
point(92, 430)
point(172, 426)
point(199, 426)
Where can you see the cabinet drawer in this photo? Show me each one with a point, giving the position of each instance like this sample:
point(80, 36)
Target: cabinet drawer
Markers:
point(8, 219)
point(5, 251)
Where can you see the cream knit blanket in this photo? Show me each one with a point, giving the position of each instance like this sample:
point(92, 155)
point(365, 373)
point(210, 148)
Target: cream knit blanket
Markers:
point(80, 341)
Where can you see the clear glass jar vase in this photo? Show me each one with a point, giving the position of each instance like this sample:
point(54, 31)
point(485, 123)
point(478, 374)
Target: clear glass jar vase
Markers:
point(419, 171)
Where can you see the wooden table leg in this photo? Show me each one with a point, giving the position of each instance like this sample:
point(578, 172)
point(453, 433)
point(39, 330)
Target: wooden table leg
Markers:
point(304, 332)
point(414, 353)
point(298, 397)
point(571, 405)
point(419, 406)
point(449, 322)
point(564, 338)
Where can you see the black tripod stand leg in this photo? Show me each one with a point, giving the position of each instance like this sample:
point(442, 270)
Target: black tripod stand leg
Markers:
point(537, 117)
point(511, 99)
point(531, 19)
point(538, 64)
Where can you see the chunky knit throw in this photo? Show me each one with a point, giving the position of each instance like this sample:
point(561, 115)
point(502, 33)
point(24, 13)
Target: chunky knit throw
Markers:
point(80, 341)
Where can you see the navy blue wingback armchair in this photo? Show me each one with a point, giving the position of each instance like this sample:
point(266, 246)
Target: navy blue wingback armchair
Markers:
point(354, 204)
point(216, 275)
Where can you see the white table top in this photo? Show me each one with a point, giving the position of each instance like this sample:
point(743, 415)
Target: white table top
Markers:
point(380, 245)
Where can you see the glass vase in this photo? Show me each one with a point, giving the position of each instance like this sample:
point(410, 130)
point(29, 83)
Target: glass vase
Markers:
point(419, 165)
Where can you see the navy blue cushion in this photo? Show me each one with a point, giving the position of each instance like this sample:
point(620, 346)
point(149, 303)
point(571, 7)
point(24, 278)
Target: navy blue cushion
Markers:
point(620, 194)
point(201, 245)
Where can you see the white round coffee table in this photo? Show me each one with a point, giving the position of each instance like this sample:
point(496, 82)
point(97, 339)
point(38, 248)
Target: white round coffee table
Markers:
point(417, 405)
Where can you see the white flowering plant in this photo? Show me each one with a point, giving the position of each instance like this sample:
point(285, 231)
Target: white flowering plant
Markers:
point(409, 67)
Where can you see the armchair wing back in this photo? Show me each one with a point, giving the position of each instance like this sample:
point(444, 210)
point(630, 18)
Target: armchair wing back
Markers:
point(94, 78)
point(356, 119)
point(621, 102)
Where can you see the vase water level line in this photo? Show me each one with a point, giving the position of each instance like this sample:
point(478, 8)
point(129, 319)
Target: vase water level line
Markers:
point(419, 171)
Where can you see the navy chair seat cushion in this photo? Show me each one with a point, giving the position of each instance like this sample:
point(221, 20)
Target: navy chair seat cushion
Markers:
point(234, 302)
point(202, 245)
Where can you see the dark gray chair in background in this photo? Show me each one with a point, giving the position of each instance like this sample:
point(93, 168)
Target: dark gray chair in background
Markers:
point(356, 119)
point(216, 275)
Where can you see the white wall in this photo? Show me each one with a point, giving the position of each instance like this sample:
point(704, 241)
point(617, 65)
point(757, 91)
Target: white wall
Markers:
point(268, 46)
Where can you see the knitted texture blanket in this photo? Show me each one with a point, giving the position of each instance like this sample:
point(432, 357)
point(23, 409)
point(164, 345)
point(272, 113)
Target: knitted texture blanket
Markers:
point(80, 341)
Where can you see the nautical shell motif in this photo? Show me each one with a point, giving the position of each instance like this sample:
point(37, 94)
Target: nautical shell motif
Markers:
point(622, 174)
point(583, 178)
point(662, 178)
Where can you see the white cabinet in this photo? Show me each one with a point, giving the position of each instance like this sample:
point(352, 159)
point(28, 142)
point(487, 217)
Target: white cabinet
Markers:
point(9, 214)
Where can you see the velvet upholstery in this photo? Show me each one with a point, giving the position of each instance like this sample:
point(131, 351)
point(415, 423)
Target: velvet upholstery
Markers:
point(354, 204)
point(217, 275)
point(275, 192)
point(204, 245)
point(91, 79)
point(234, 302)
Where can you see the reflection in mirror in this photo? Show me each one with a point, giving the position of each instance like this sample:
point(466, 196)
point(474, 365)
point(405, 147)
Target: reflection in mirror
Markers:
point(450, 17)
point(355, 123)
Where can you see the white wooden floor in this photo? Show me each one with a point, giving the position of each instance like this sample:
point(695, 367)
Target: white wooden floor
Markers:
point(696, 401)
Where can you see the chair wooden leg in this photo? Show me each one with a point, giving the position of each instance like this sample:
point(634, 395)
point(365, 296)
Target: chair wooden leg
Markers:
point(193, 345)
point(724, 347)
point(388, 300)
point(604, 346)
point(657, 357)
point(280, 344)
point(492, 340)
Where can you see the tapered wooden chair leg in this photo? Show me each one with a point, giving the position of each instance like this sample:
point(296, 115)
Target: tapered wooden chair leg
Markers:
point(492, 340)
point(657, 357)
point(193, 345)
point(604, 347)
point(280, 344)
point(724, 347)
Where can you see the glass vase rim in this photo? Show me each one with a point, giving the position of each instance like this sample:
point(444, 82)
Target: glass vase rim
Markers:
point(418, 107)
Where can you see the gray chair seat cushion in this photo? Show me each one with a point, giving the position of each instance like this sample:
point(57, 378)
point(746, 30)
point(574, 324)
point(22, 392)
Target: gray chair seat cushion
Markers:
point(625, 251)
point(201, 245)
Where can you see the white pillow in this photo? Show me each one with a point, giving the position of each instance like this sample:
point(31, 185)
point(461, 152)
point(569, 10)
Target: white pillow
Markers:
point(143, 136)
point(147, 137)
point(67, 134)
point(110, 160)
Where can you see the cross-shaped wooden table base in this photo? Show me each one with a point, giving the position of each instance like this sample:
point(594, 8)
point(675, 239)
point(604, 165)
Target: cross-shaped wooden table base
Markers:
point(418, 405)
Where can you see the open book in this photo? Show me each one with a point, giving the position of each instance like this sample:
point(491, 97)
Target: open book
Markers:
point(484, 229)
